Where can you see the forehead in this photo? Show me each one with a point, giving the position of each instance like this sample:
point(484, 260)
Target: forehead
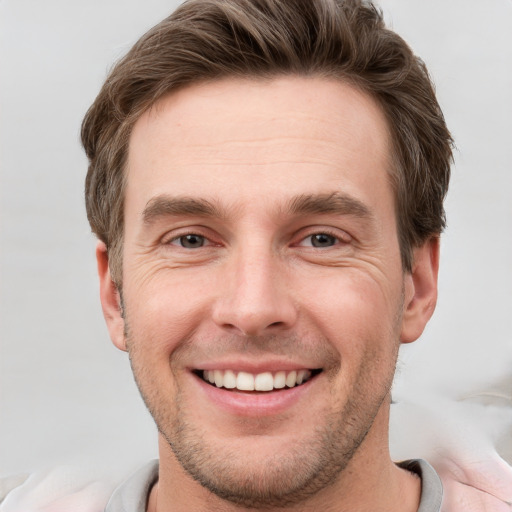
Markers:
point(288, 135)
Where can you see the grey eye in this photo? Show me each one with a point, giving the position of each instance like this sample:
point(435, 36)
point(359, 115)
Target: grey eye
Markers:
point(191, 241)
point(322, 240)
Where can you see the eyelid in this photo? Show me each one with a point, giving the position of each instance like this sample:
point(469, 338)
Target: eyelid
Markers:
point(175, 235)
point(341, 236)
point(176, 241)
point(167, 239)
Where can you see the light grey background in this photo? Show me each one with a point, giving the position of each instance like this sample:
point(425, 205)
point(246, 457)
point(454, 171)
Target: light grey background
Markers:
point(65, 393)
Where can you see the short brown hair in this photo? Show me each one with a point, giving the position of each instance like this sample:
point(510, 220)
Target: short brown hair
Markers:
point(205, 40)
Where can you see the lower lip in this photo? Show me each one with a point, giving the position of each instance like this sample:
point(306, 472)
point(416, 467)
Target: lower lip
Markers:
point(255, 404)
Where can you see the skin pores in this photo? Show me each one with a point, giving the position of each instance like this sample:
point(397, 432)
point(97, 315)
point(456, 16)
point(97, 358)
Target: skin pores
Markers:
point(260, 238)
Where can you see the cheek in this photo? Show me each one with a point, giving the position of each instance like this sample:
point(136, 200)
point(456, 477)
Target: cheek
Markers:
point(163, 313)
point(360, 319)
point(352, 302)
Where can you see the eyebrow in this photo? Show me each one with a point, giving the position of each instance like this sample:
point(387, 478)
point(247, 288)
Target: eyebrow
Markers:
point(331, 203)
point(163, 206)
point(313, 204)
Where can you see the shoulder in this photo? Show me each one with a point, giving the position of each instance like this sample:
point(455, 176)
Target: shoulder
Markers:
point(132, 495)
point(68, 488)
point(61, 488)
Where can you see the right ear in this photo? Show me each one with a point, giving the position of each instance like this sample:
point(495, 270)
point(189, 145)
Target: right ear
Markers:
point(110, 299)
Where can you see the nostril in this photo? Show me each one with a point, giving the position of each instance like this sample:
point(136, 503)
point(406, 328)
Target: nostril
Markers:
point(253, 307)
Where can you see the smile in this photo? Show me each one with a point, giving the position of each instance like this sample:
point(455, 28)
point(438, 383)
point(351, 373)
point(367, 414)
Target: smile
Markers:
point(265, 381)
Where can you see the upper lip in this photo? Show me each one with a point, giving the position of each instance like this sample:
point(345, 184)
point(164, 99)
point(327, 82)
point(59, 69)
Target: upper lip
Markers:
point(255, 367)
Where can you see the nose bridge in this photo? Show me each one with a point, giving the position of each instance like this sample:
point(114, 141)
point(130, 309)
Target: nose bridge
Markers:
point(255, 278)
point(254, 298)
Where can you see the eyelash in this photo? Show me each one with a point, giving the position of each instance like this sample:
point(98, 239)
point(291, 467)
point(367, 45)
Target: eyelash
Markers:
point(329, 233)
point(339, 239)
point(175, 240)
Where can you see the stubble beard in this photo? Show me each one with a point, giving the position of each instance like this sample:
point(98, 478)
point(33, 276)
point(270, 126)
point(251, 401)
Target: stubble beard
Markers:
point(280, 481)
point(285, 479)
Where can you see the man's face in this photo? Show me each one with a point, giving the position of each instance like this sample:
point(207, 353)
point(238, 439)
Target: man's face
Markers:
point(260, 246)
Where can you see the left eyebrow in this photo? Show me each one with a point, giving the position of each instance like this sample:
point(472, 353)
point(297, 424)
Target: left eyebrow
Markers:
point(331, 203)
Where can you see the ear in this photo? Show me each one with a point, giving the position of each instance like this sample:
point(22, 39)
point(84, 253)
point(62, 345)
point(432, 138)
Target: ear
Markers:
point(110, 299)
point(420, 294)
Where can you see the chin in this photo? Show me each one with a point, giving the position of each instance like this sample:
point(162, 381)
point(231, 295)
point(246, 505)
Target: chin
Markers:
point(266, 470)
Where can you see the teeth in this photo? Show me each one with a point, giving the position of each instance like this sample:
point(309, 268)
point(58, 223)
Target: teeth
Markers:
point(291, 379)
point(280, 380)
point(266, 381)
point(229, 379)
point(245, 382)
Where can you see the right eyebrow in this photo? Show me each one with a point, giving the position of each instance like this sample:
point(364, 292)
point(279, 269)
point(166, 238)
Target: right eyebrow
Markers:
point(164, 205)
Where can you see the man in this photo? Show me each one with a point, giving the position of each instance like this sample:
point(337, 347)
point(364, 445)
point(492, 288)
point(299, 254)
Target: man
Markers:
point(266, 182)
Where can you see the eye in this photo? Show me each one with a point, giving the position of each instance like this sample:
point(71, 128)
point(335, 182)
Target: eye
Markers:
point(326, 239)
point(191, 241)
point(322, 240)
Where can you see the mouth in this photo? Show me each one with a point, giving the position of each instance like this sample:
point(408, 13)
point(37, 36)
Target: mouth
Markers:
point(264, 382)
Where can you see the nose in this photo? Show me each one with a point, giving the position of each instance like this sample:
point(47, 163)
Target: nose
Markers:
point(254, 298)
